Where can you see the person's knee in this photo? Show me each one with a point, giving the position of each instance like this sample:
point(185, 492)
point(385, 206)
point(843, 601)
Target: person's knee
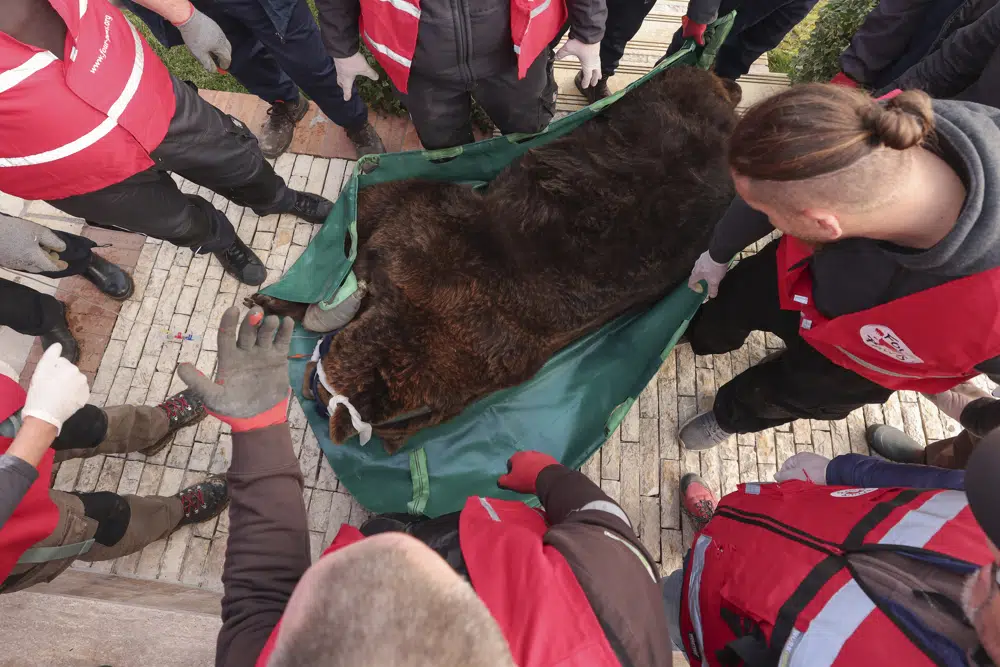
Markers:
point(111, 512)
point(86, 428)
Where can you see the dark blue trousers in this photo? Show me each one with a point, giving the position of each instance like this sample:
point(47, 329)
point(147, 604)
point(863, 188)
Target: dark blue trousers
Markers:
point(274, 68)
point(759, 27)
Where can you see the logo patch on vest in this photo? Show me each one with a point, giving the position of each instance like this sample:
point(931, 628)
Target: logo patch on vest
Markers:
point(882, 338)
point(851, 493)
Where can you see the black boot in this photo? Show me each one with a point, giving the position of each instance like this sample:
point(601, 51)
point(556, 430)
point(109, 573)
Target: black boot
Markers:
point(184, 408)
point(204, 500)
point(276, 135)
point(109, 278)
point(61, 334)
point(239, 261)
point(595, 92)
point(365, 139)
point(312, 208)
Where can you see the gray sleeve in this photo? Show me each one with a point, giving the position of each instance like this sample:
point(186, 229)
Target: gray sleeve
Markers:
point(16, 477)
point(338, 23)
point(740, 227)
point(587, 19)
point(882, 38)
point(703, 11)
point(959, 61)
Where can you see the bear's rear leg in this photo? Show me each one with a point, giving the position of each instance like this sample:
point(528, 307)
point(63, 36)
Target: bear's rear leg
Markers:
point(280, 307)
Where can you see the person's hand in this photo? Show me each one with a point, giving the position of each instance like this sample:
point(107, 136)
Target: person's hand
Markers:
point(523, 469)
point(29, 247)
point(843, 80)
point(350, 68)
point(707, 269)
point(57, 390)
point(206, 41)
point(692, 30)
point(589, 56)
point(251, 387)
point(804, 466)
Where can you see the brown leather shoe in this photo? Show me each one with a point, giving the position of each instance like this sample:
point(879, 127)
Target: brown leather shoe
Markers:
point(276, 134)
point(366, 140)
point(596, 92)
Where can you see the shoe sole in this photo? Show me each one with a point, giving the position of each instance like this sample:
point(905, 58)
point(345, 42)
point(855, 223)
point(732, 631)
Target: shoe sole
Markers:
point(685, 445)
point(127, 295)
point(158, 446)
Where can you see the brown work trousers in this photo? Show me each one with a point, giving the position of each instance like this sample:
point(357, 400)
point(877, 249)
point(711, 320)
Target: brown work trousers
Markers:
point(952, 453)
point(130, 429)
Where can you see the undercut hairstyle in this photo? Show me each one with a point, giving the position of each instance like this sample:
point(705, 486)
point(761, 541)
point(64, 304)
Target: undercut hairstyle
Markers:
point(376, 608)
point(822, 145)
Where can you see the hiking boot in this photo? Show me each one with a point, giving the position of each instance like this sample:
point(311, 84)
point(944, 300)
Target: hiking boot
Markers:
point(204, 500)
point(61, 334)
point(109, 278)
point(184, 408)
point(311, 208)
point(697, 500)
point(702, 432)
point(240, 262)
point(276, 133)
point(365, 139)
point(893, 444)
point(595, 92)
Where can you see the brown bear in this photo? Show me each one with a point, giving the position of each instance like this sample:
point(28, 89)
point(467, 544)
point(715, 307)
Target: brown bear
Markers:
point(470, 291)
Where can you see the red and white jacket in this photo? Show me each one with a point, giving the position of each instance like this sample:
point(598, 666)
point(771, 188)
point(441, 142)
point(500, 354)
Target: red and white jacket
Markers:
point(36, 516)
point(928, 342)
point(527, 585)
point(84, 119)
point(389, 29)
point(774, 554)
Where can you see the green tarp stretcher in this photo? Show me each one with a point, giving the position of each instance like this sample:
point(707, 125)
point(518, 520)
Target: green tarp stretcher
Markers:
point(567, 410)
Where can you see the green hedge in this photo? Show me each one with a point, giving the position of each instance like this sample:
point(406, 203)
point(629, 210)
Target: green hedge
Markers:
point(836, 22)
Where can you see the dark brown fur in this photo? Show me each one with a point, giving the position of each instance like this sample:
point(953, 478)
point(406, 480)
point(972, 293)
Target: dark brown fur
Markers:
point(472, 292)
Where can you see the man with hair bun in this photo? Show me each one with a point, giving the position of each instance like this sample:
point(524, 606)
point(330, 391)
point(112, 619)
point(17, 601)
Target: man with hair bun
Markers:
point(886, 274)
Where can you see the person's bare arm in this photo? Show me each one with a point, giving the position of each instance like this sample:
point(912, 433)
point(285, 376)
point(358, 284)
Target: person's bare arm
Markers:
point(32, 441)
point(175, 11)
point(18, 467)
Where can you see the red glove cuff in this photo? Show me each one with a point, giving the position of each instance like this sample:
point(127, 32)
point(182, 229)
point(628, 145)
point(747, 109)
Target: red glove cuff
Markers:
point(843, 80)
point(276, 415)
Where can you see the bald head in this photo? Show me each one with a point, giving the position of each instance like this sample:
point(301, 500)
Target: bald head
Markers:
point(387, 601)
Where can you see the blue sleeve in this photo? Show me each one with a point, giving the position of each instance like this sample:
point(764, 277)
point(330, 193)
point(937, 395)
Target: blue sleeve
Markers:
point(16, 477)
point(869, 471)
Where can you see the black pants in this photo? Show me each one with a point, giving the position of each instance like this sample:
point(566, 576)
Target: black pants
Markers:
point(759, 27)
point(33, 313)
point(625, 17)
point(800, 383)
point(206, 147)
point(441, 110)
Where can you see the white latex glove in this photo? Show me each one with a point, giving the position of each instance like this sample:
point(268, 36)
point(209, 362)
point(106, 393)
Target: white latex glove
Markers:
point(57, 390)
point(589, 56)
point(804, 466)
point(206, 42)
point(350, 68)
point(710, 271)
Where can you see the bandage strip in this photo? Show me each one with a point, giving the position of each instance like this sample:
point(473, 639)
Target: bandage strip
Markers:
point(363, 428)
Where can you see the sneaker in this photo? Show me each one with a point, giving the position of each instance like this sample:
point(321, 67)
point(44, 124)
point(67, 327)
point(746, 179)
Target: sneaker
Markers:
point(596, 92)
point(240, 262)
point(183, 409)
point(366, 140)
point(204, 500)
point(276, 134)
point(109, 278)
point(703, 432)
point(697, 500)
point(893, 444)
point(311, 208)
point(61, 334)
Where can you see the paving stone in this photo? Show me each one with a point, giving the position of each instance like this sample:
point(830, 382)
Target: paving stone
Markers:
point(592, 468)
point(649, 525)
point(649, 404)
point(766, 471)
point(201, 456)
point(327, 479)
point(172, 561)
point(667, 393)
point(670, 484)
point(358, 514)
point(611, 456)
point(933, 428)
point(223, 455)
point(109, 367)
point(705, 378)
point(893, 413)
point(784, 447)
point(802, 432)
point(649, 457)
point(214, 563)
point(120, 387)
point(68, 472)
point(823, 443)
point(340, 513)
point(856, 432)
point(193, 566)
point(841, 437)
point(685, 371)
point(319, 509)
point(309, 460)
point(111, 474)
point(131, 474)
point(178, 456)
point(711, 470)
point(630, 425)
point(765, 446)
point(730, 476)
point(912, 422)
point(748, 465)
point(613, 488)
point(158, 388)
point(671, 551)
point(630, 480)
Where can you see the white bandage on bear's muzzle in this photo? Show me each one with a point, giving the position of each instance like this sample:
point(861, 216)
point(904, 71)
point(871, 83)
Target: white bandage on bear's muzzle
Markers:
point(363, 428)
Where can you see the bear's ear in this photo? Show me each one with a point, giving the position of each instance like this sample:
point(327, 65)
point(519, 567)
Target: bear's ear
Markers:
point(733, 91)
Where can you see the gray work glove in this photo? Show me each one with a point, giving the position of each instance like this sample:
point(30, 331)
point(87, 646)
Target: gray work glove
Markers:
point(251, 382)
point(29, 247)
point(206, 41)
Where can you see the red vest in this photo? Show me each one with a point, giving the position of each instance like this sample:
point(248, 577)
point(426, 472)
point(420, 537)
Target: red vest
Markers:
point(929, 341)
point(390, 27)
point(36, 515)
point(528, 587)
point(773, 553)
point(88, 120)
